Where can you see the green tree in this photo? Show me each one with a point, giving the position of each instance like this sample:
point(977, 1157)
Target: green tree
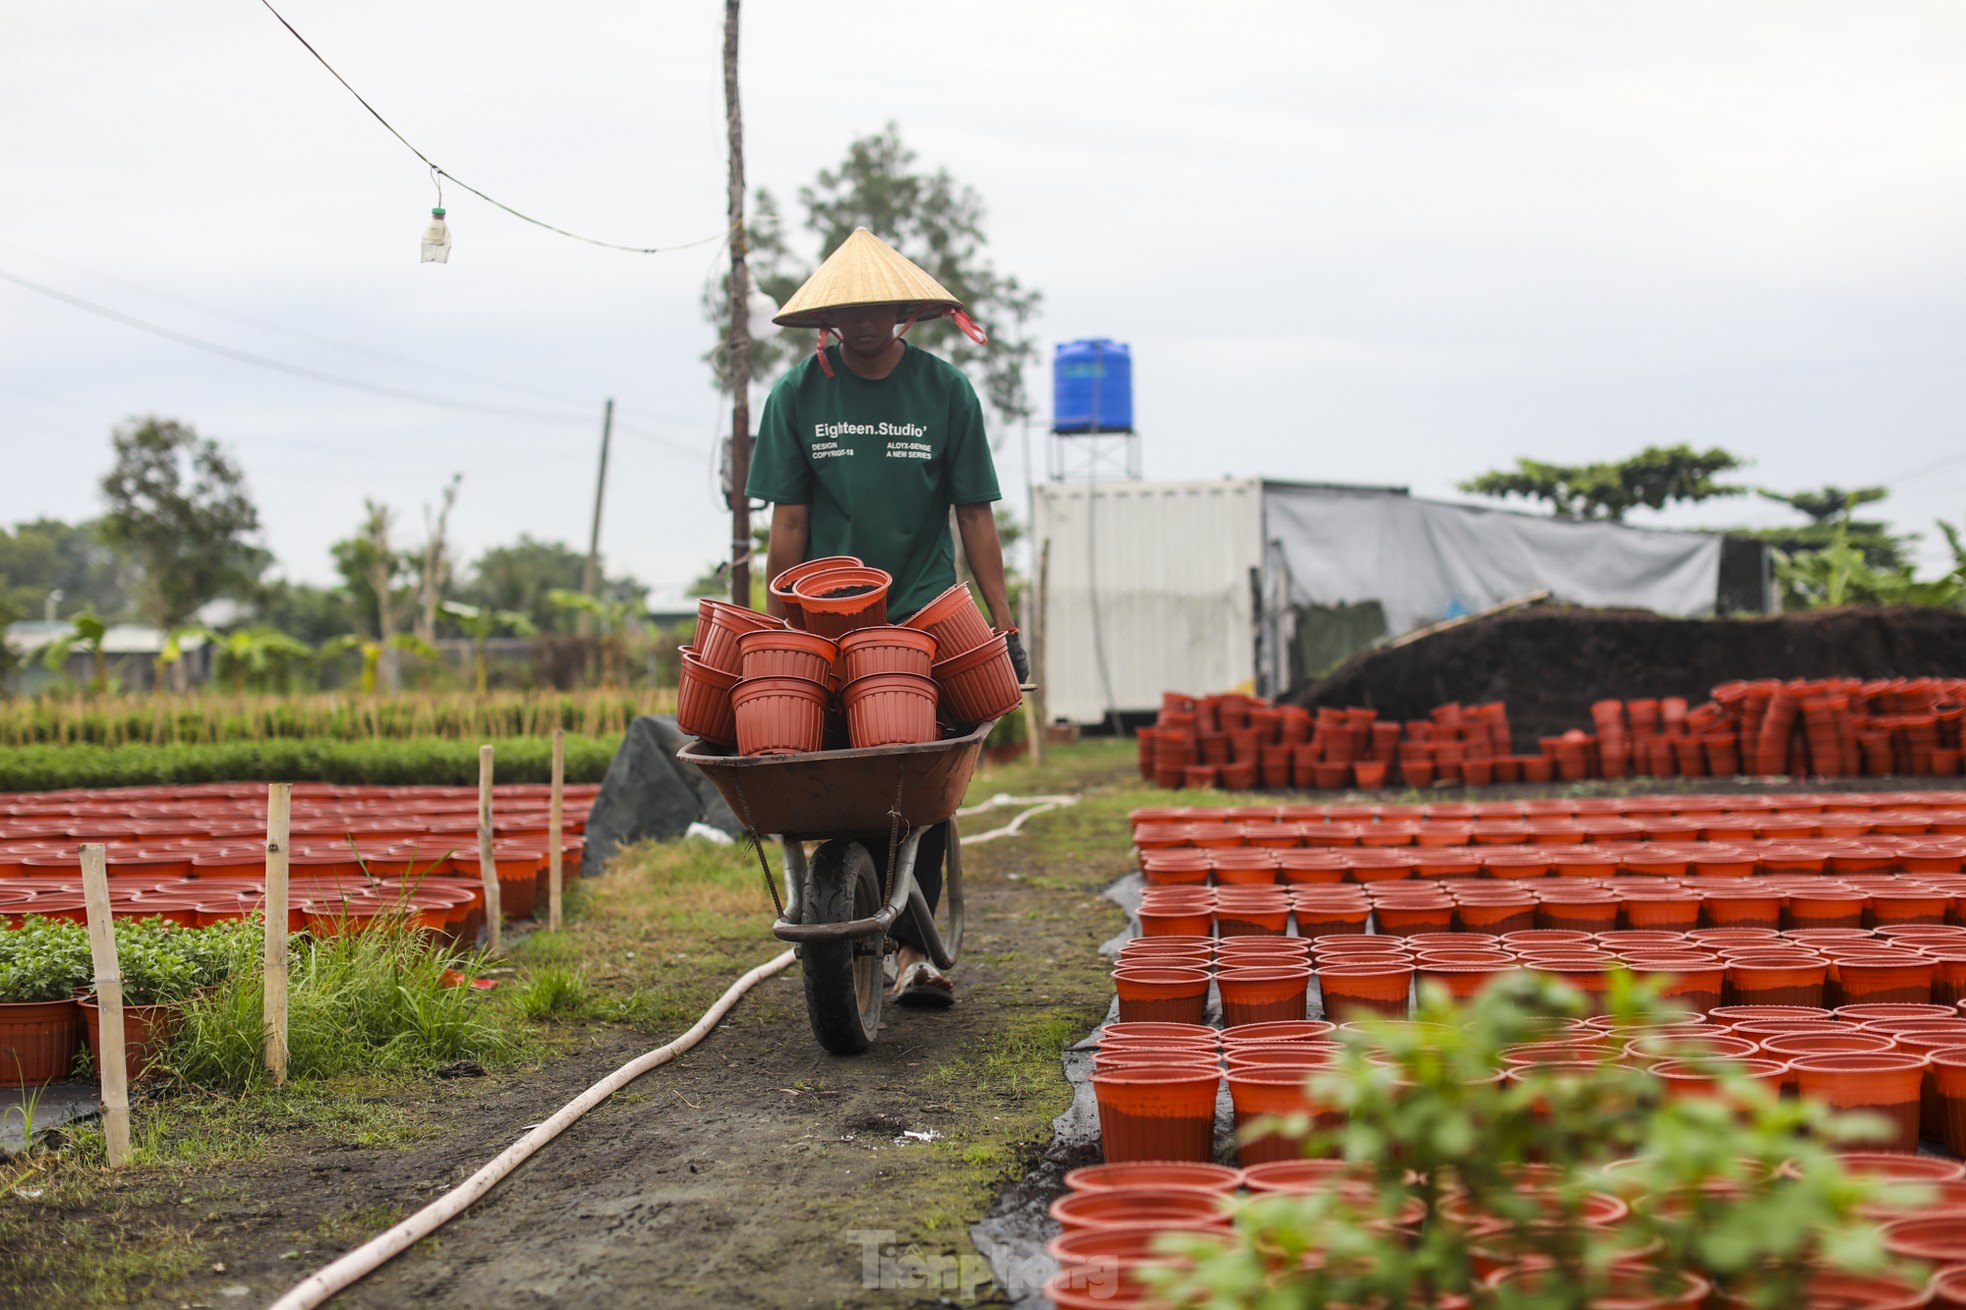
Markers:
point(46, 555)
point(1831, 514)
point(929, 217)
point(260, 657)
point(611, 617)
point(1655, 477)
point(178, 505)
point(479, 624)
point(303, 611)
point(522, 575)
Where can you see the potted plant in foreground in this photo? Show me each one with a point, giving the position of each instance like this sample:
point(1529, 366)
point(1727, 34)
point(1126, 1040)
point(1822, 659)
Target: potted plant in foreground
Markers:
point(42, 963)
point(1556, 1187)
point(163, 966)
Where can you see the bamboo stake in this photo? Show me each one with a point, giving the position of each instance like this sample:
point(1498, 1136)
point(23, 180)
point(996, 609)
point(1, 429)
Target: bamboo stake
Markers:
point(279, 818)
point(553, 817)
point(487, 868)
point(109, 1004)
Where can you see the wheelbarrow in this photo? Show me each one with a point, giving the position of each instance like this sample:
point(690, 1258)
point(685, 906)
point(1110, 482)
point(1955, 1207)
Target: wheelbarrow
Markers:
point(868, 810)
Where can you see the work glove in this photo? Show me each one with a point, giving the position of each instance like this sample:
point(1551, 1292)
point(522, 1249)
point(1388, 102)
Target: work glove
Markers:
point(1018, 659)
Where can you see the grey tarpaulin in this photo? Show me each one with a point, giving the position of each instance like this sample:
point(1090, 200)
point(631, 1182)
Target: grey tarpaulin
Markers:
point(1343, 558)
point(648, 792)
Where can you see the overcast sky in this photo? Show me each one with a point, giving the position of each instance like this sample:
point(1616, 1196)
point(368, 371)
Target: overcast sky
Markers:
point(1385, 243)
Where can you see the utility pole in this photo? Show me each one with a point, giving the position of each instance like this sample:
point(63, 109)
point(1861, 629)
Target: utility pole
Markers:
point(590, 572)
point(739, 343)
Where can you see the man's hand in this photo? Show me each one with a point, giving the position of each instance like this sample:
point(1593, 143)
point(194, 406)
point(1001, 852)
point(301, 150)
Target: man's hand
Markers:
point(1018, 659)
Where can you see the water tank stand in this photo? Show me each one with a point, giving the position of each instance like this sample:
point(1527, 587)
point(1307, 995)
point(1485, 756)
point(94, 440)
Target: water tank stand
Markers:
point(1093, 457)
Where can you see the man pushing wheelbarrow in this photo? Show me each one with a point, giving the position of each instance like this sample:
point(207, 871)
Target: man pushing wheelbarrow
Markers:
point(864, 449)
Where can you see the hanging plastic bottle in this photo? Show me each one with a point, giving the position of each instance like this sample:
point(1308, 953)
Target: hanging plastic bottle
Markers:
point(437, 239)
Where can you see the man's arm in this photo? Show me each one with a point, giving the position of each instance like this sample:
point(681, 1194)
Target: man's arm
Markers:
point(791, 527)
point(978, 526)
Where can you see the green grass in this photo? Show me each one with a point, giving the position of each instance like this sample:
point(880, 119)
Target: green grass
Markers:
point(368, 1001)
point(411, 760)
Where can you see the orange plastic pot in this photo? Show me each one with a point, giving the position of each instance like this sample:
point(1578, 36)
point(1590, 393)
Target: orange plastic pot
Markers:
point(1949, 1084)
point(1217, 1178)
point(1303, 1177)
point(38, 1041)
point(980, 683)
point(1629, 1288)
point(1156, 1116)
point(1364, 990)
point(1884, 1084)
point(1899, 978)
point(1938, 1239)
point(1160, 1207)
point(782, 585)
point(1259, 1092)
point(718, 627)
point(703, 702)
point(147, 1030)
point(1794, 979)
point(778, 716)
point(887, 650)
point(953, 619)
point(786, 653)
point(840, 600)
point(1165, 994)
point(889, 709)
point(1263, 994)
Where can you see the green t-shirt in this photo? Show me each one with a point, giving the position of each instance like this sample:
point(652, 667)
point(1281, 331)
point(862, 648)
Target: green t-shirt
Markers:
point(880, 463)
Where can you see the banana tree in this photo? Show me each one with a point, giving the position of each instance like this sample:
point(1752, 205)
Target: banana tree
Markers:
point(372, 650)
point(85, 636)
point(610, 617)
point(479, 622)
point(255, 655)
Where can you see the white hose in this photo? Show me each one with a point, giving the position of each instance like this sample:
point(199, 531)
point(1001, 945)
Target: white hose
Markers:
point(364, 1259)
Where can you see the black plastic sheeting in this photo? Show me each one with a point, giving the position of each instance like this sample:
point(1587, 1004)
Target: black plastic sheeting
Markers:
point(648, 792)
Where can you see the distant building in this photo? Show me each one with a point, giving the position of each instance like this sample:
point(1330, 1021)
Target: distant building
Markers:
point(129, 649)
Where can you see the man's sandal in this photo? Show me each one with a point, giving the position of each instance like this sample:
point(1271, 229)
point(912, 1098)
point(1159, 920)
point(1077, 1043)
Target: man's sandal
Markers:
point(922, 986)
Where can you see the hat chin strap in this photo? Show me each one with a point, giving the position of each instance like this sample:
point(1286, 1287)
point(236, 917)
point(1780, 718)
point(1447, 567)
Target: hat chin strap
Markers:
point(825, 365)
point(969, 328)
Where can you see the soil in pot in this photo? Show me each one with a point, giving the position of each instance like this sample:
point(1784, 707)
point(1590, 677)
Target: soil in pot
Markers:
point(782, 585)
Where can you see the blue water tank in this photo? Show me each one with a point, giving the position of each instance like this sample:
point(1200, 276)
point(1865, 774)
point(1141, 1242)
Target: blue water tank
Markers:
point(1092, 387)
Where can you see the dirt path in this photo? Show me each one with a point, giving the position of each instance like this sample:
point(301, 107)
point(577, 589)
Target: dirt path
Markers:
point(746, 1173)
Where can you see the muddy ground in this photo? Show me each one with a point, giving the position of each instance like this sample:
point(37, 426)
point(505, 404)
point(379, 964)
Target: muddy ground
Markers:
point(1551, 662)
point(746, 1173)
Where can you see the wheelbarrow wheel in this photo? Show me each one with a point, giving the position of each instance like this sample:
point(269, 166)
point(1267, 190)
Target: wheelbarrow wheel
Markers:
point(843, 979)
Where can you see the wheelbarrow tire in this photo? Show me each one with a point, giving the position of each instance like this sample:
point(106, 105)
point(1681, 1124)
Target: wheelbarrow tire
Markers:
point(843, 982)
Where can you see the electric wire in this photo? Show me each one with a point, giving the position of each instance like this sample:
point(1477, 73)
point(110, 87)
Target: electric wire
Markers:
point(438, 171)
point(282, 366)
point(367, 352)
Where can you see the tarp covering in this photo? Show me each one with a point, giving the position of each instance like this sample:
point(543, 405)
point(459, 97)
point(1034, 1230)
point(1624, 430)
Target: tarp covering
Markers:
point(648, 792)
point(1423, 561)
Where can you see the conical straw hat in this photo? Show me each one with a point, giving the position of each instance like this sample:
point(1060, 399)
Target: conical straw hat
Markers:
point(865, 270)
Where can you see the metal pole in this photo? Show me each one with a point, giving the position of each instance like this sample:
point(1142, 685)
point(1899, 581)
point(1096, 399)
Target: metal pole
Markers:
point(590, 573)
point(739, 345)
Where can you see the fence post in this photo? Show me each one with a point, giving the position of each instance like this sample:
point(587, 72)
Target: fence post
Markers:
point(109, 1004)
point(553, 826)
point(279, 823)
point(487, 867)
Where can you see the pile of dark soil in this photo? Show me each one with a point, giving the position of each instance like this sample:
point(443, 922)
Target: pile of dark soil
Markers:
point(1550, 663)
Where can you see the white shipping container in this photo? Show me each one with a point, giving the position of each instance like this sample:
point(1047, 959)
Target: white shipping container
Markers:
point(1149, 587)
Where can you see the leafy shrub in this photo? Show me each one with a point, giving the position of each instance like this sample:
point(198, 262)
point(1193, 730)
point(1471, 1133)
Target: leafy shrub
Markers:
point(44, 960)
point(418, 760)
point(1743, 1189)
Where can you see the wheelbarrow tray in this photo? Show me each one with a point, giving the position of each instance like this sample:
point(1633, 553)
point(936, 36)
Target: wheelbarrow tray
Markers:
point(819, 794)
